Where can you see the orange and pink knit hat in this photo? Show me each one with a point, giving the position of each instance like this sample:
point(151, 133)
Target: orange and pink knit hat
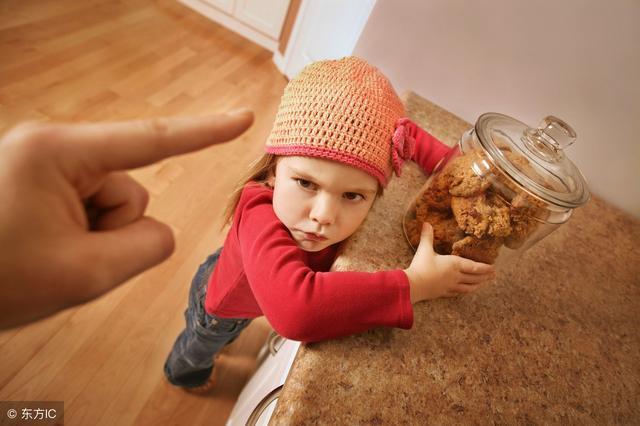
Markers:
point(343, 110)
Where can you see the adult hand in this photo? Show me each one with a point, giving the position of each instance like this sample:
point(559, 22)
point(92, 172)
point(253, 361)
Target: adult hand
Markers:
point(72, 224)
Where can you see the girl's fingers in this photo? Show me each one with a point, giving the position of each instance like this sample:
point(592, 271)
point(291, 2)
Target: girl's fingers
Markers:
point(460, 289)
point(468, 266)
point(119, 201)
point(476, 278)
point(464, 288)
point(425, 248)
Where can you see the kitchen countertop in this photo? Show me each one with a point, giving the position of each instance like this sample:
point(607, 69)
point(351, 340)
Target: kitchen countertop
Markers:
point(554, 339)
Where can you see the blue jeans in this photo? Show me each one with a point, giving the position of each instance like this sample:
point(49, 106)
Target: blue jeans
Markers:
point(190, 362)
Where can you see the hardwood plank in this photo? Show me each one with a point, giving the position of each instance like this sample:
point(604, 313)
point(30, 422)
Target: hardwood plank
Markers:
point(67, 48)
point(25, 343)
point(49, 361)
point(27, 14)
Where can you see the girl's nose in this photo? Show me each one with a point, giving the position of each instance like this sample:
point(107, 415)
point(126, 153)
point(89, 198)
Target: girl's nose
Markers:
point(323, 211)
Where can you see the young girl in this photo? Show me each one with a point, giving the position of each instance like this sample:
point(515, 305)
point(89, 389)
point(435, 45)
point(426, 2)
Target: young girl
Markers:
point(337, 138)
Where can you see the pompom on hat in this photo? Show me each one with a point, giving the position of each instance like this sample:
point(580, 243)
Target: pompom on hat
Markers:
point(344, 110)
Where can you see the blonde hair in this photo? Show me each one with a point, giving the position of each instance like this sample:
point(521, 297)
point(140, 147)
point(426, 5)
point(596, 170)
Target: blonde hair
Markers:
point(260, 171)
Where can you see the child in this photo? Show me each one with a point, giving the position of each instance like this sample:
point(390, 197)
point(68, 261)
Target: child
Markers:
point(338, 136)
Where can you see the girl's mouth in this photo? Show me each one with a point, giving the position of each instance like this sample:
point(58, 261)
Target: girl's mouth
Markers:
point(314, 237)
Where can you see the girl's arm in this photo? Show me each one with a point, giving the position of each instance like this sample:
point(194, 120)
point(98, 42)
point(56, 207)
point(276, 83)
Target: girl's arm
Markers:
point(311, 306)
point(428, 150)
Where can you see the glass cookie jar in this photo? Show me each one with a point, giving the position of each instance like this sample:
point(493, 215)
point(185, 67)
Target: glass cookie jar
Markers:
point(502, 189)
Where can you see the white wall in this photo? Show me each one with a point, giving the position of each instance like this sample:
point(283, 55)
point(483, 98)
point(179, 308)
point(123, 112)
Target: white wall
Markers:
point(576, 59)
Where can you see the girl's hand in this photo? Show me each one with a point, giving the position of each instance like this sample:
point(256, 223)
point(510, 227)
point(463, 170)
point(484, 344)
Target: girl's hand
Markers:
point(432, 275)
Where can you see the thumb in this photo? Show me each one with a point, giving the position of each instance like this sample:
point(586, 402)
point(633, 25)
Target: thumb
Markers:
point(122, 253)
point(426, 240)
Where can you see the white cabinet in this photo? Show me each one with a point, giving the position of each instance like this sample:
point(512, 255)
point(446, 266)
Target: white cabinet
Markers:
point(266, 16)
point(326, 29)
point(259, 396)
point(258, 20)
point(223, 5)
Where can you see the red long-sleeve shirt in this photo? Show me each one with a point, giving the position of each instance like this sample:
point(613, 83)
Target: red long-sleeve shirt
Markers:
point(262, 271)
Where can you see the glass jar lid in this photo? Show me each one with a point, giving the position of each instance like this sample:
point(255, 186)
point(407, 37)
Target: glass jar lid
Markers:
point(547, 173)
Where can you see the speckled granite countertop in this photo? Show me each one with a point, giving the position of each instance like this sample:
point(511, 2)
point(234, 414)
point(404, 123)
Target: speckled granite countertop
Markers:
point(554, 340)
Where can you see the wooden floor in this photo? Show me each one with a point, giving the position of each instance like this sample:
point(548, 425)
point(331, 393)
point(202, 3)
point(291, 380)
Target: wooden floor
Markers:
point(99, 60)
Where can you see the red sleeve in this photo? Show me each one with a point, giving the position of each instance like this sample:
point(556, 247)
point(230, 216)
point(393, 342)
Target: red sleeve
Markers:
point(310, 306)
point(429, 150)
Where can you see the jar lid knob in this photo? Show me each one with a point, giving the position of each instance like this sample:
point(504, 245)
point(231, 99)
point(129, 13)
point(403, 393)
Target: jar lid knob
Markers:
point(558, 131)
point(551, 137)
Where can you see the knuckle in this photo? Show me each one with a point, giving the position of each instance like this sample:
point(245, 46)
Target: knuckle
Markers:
point(140, 202)
point(143, 195)
point(31, 137)
point(137, 195)
point(22, 131)
point(30, 132)
point(157, 127)
point(166, 240)
point(138, 192)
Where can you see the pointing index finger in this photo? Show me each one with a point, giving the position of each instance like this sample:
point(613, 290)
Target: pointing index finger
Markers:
point(132, 144)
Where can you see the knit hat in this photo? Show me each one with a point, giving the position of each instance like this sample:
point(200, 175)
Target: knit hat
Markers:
point(343, 110)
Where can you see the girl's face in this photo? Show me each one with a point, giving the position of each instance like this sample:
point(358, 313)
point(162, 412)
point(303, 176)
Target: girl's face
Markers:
point(321, 202)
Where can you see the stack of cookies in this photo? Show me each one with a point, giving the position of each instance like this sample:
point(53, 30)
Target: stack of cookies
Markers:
point(469, 213)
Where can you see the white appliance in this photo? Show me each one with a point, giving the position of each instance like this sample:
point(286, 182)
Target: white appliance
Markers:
point(258, 399)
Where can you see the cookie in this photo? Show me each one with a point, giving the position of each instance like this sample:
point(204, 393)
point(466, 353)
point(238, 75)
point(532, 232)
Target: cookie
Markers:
point(463, 180)
point(483, 250)
point(413, 229)
point(480, 215)
point(525, 167)
point(421, 207)
point(445, 230)
point(519, 161)
point(522, 212)
point(437, 195)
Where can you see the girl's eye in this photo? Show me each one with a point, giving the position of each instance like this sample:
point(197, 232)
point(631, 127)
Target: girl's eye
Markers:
point(353, 196)
point(305, 184)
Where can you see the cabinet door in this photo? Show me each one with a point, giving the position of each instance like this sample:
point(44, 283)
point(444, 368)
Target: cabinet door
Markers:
point(266, 16)
point(325, 29)
point(223, 5)
point(265, 408)
point(271, 374)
